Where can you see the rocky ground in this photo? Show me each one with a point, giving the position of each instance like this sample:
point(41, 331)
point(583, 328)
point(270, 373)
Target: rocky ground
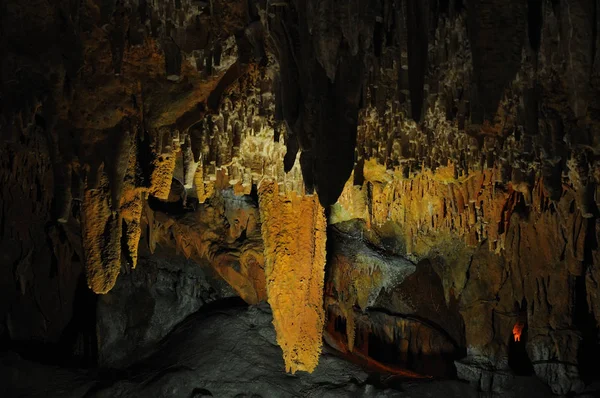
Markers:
point(227, 352)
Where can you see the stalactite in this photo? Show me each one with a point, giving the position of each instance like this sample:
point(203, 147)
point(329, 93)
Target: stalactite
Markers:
point(131, 212)
point(162, 174)
point(472, 154)
point(101, 237)
point(117, 162)
point(189, 164)
point(417, 20)
point(204, 189)
point(294, 234)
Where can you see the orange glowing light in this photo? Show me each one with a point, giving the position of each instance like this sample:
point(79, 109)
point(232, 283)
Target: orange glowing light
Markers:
point(517, 330)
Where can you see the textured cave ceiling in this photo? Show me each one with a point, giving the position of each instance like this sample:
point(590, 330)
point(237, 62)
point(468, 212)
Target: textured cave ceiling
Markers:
point(364, 193)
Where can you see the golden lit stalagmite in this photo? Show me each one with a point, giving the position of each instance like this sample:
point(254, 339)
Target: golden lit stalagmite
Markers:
point(294, 234)
point(204, 190)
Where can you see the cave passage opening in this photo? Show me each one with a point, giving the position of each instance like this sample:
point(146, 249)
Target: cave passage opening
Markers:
point(394, 353)
point(518, 359)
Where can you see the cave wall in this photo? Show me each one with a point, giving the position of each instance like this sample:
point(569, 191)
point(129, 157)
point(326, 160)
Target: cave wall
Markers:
point(476, 150)
point(494, 182)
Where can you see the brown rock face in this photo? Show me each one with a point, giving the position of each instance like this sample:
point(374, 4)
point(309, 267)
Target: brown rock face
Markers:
point(222, 235)
point(495, 255)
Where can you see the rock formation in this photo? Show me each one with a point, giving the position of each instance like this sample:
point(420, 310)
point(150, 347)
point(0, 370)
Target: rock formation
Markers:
point(294, 234)
point(414, 182)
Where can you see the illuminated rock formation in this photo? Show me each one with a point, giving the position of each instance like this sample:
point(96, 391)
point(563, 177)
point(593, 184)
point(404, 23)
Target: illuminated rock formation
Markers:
point(454, 146)
point(410, 346)
point(476, 227)
point(131, 212)
point(222, 235)
point(101, 233)
point(293, 230)
point(357, 277)
point(164, 165)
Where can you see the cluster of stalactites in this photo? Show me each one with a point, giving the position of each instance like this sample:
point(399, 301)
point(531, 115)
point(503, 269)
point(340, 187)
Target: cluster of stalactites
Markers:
point(232, 148)
point(112, 199)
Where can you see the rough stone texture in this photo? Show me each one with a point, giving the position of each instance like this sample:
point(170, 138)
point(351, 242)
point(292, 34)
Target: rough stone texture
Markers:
point(376, 298)
point(462, 135)
point(358, 275)
point(294, 234)
point(224, 233)
point(114, 101)
point(41, 264)
point(147, 303)
point(322, 55)
point(489, 255)
point(496, 185)
point(229, 353)
point(101, 236)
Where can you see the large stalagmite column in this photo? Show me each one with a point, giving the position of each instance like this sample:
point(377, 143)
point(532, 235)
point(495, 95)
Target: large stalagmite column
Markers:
point(294, 234)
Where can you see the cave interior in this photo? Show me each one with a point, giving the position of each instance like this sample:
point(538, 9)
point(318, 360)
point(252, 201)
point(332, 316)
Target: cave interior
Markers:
point(311, 198)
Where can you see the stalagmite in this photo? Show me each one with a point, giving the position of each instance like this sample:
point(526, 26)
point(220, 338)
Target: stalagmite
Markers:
point(204, 190)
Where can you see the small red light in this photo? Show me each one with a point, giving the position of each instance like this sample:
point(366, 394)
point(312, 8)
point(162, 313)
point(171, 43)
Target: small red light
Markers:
point(517, 330)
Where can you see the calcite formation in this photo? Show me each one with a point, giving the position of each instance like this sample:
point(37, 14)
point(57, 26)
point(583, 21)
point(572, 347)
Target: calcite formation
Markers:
point(358, 275)
point(132, 203)
point(453, 145)
point(417, 347)
point(101, 236)
point(160, 182)
point(509, 250)
point(294, 234)
point(222, 236)
point(241, 142)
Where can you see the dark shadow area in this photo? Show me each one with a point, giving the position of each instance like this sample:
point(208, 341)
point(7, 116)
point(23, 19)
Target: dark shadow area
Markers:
point(106, 377)
point(518, 359)
point(153, 359)
point(172, 208)
point(391, 353)
point(583, 319)
point(589, 350)
point(534, 23)
point(77, 346)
